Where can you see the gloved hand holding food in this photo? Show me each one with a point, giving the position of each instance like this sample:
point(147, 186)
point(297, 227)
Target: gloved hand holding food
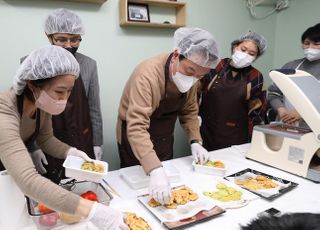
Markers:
point(199, 153)
point(106, 218)
point(39, 159)
point(159, 188)
point(78, 153)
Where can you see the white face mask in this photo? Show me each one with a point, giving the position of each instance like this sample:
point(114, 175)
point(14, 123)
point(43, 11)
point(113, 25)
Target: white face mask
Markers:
point(241, 59)
point(183, 82)
point(312, 54)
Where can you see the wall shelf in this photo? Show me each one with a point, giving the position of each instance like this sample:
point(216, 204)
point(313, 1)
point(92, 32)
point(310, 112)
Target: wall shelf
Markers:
point(179, 7)
point(89, 1)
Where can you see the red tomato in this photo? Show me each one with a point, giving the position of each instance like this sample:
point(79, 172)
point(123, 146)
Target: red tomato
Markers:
point(49, 220)
point(42, 208)
point(89, 195)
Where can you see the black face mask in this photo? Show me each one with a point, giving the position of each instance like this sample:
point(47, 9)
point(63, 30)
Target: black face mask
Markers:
point(72, 50)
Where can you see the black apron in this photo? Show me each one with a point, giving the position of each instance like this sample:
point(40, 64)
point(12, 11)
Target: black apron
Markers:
point(30, 141)
point(162, 123)
point(224, 111)
point(73, 127)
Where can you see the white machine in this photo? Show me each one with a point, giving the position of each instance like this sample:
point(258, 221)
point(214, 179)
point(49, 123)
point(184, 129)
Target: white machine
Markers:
point(291, 148)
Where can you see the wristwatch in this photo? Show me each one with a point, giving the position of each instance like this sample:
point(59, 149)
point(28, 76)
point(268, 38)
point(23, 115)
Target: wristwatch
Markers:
point(196, 141)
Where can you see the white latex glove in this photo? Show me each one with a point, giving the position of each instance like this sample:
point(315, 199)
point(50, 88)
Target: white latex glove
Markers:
point(159, 187)
point(200, 121)
point(39, 159)
point(98, 152)
point(78, 153)
point(199, 153)
point(106, 218)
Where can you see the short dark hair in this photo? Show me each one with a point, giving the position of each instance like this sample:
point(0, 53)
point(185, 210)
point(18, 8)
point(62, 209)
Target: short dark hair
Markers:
point(37, 83)
point(312, 33)
point(290, 221)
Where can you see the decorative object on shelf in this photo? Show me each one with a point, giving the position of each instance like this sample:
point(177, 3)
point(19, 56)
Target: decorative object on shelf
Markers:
point(174, 12)
point(138, 12)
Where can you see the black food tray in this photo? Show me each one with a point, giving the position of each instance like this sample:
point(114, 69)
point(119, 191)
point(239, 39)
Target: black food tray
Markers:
point(272, 197)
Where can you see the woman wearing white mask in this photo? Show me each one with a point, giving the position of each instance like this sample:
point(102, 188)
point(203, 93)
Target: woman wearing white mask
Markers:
point(233, 95)
point(41, 88)
point(310, 40)
point(157, 92)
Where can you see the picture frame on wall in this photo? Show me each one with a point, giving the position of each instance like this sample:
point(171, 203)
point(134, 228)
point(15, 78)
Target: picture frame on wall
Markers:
point(138, 12)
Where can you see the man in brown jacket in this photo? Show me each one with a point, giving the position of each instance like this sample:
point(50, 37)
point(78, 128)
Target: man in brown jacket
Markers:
point(158, 91)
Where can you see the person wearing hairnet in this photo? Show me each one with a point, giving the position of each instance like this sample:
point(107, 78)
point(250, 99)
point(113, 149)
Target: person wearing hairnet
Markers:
point(310, 40)
point(157, 92)
point(41, 88)
point(233, 97)
point(80, 125)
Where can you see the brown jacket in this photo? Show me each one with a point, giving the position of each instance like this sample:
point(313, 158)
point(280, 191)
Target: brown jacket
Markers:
point(15, 157)
point(141, 96)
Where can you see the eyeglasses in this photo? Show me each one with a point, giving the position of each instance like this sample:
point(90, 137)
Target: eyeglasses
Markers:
point(64, 41)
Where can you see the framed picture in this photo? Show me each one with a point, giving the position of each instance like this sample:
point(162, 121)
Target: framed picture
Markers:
point(138, 12)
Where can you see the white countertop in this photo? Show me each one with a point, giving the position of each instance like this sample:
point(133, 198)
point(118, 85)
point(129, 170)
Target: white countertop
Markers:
point(303, 198)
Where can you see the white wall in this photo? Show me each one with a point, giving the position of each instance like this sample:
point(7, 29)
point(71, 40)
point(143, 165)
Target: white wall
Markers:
point(290, 25)
point(118, 50)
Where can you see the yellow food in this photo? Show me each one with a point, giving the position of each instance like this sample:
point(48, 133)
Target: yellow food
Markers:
point(69, 218)
point(260, 182)
point(92, 167)
point(136, 223)
point(179, 197)
point(216, 164)
point(224, 193)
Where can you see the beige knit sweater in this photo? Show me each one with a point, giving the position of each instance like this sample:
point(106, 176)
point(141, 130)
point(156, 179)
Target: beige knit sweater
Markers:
point(141, 97)
point(15, 157)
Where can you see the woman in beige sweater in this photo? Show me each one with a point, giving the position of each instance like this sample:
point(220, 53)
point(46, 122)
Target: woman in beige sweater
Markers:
point(41, 88)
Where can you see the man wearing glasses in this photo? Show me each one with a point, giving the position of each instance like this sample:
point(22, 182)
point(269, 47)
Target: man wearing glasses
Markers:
point(80, 125)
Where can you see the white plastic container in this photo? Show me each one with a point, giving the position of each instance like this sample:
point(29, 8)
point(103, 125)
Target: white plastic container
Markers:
point(209, 169)
point(136, 178)
point(73, 164)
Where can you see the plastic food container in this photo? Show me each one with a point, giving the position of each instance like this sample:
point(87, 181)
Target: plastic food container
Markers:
point(52, 220)
point(136, 178)
point(209, 169)
point(73, 170)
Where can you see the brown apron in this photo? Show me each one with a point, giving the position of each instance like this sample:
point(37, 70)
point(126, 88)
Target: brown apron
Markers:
point(162, 123)
point(224, 111)
point(73, 127)
point(28, 143)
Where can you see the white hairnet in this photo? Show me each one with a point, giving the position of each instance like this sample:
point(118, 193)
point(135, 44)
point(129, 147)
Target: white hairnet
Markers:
point(197, 45)
point(258, 39)
point(46, 62)
point(63, 21)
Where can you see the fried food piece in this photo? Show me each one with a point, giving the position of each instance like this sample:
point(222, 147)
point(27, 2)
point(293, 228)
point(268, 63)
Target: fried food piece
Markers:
point(153, 203)
point(216, 164)
point(260, 182)
point(136, 223)
point(178, 197)
point(92, 167)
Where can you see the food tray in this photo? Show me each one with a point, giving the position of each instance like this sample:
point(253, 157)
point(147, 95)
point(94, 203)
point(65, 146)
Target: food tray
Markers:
point(136, 178)
point(216, 171)
point(73, 164)
point(79, 188)
point(190, 213)
point(288, 185)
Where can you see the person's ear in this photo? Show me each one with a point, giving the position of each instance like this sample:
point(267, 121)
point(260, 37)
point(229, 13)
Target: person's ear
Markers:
point(175, 55)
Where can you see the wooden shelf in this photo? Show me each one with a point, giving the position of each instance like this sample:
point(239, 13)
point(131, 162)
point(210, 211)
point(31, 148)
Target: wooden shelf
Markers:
point(88, 1)
point(180, 13)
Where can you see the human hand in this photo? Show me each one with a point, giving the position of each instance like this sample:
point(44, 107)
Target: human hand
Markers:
point(78, 153)
point(159, 187)
point(199, 153)
point(283, 113)
point(106, 218)
point(292, 117)
point(39, 159)
point(97, 152)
